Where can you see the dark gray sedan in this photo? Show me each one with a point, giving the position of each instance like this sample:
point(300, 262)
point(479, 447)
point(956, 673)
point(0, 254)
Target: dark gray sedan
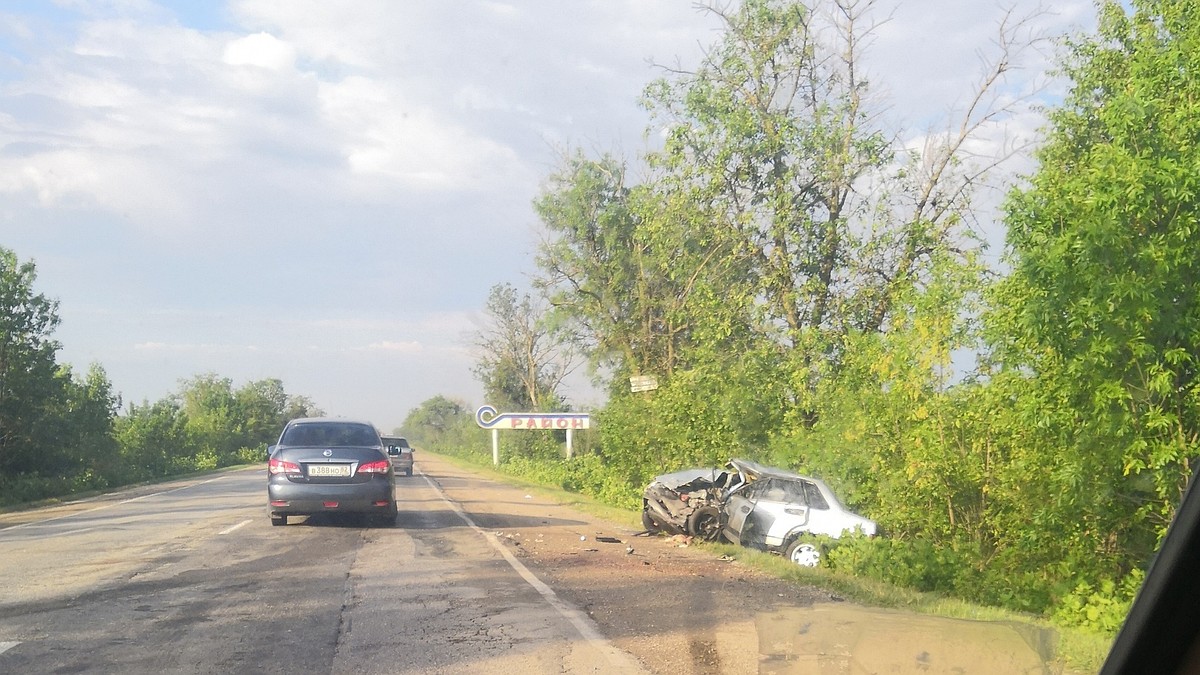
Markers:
point(324, 465)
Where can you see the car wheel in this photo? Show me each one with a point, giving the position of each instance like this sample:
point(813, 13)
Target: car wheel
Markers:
point(278, 520)
point(408, 471)
point(705, 523)
point(648, 523)
point(803, 553)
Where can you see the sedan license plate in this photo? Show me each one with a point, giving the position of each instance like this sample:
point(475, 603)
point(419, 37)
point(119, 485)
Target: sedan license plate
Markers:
point(334, 470)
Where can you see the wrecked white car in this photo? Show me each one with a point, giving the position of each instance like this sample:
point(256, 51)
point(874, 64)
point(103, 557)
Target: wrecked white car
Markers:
point(688, 502)
point(774, 510)
point(752, 505)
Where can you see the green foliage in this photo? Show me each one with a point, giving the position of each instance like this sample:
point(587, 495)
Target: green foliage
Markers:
point(1095, 331)
point(207, 425)
point(60, 432)
point(522, 357)
point(429, 422)
point(915, 563)
point(446, 426)
point(55, 427)
point(587, 474)
point(30, 388)
point(1101, 607)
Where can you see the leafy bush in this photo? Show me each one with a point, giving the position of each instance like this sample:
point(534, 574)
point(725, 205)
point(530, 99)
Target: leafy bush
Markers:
point(586, 475)
point(915, 564)
point(251, 455)
point(1100, 607)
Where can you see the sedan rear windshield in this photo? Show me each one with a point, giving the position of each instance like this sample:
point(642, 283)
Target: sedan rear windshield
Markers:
point(330, 435)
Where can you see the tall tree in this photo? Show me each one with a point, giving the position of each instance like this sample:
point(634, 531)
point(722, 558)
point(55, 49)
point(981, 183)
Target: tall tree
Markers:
point(775, 219)
point(629, 268)
point(522, 360)
point(431, 420)
point(1098, 326)
point(29, 385)
point(778, 134)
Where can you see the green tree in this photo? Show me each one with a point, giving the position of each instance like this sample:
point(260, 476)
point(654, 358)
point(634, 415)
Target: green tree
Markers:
point(448, 425)
point(85, 427)
point(431, 420)
point(210, 416)
point(1096, 330)
point(30, 388)
point(778, 136)
point(622, 268)
point(522, 359)
point(154, 440)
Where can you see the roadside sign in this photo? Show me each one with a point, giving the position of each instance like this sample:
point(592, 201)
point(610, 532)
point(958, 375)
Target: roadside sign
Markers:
point(488, 418)
point(643, 383)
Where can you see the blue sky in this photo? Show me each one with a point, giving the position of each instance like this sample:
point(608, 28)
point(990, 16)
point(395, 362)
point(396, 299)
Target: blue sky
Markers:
point(325, 192)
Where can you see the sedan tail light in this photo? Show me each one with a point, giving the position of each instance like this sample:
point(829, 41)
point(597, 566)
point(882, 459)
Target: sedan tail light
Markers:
point(381, 466)
point(275, 466)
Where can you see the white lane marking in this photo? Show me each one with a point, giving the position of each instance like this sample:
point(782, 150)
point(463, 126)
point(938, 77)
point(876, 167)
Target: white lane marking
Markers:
point(587, 630)
point(109, 506)
point(235, 527)
point(167, 492)
point(5, 646)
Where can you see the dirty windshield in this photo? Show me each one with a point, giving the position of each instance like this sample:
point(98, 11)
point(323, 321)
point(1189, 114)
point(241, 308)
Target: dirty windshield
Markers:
point(686, 336)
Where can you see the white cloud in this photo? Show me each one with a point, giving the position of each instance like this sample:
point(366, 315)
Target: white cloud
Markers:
point(412, 347)
point(339, 184)
point(199, 349)
point(389, 133)
point(262, 50)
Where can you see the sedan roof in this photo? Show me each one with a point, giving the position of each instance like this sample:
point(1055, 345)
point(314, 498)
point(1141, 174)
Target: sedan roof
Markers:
point(330, 432)
point(756, 471)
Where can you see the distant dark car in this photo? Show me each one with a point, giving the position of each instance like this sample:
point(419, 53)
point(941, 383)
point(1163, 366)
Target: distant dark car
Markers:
point(400, 452)
point(323, 465)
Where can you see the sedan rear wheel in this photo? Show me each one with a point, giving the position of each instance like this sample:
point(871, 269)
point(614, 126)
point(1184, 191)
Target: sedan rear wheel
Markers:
point(803, 553)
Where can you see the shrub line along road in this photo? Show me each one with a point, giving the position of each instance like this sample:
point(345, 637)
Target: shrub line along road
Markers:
point(477, 576)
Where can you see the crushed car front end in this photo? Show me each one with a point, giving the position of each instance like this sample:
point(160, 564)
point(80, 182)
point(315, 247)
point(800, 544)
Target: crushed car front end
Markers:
point(685, 502)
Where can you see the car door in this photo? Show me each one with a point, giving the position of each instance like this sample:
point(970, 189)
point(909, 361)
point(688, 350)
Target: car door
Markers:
point(737, 507)
point(754, 512)
point(822, 518)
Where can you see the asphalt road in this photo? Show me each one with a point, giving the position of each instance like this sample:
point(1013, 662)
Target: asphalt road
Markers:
point(190, 577)
point(476, 576)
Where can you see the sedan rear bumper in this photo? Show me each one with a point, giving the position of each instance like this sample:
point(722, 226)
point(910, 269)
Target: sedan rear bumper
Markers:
point(287, 498)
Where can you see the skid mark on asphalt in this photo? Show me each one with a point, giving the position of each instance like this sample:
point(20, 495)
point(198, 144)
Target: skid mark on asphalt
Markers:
point(587, 630)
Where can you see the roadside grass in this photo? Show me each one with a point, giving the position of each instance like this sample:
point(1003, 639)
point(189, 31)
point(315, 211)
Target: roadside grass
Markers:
point(1078, 650)
point(584, 503)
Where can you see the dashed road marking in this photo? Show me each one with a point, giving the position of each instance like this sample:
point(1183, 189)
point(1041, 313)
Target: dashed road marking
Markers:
point(5, 646)
point(235, 527)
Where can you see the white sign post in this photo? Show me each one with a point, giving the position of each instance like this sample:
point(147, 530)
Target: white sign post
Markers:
point(487, 418)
